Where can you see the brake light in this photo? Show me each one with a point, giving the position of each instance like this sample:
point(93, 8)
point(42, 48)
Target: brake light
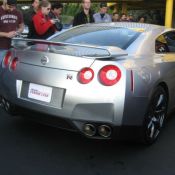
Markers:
point(109, 75)
point(85, 75)
point(13, 63)
point(7, 58)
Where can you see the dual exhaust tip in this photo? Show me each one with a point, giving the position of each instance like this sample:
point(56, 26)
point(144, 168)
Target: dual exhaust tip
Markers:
point(91, 130)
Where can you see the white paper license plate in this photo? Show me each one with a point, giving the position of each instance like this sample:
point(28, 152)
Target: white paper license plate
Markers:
point(39, 92)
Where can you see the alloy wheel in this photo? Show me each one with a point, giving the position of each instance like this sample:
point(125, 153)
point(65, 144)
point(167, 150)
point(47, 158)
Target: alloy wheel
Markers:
point(156, 115)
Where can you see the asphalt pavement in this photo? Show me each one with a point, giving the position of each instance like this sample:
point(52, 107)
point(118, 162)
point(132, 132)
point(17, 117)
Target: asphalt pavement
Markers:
point(29, 148)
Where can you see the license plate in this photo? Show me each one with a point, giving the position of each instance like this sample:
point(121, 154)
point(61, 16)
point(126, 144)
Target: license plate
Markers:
point(39, 92)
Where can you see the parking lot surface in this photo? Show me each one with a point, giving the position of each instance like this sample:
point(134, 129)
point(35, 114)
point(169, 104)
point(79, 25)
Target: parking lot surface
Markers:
point(29, 148)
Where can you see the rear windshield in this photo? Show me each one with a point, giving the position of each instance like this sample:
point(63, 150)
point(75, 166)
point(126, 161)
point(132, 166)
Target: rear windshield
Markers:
point(99, 36)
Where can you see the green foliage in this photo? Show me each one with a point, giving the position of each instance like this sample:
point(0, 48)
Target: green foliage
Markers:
point(71, 9)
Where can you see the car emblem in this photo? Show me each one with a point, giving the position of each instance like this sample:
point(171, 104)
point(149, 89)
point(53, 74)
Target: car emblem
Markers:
point(69, 77)
point(44, 60)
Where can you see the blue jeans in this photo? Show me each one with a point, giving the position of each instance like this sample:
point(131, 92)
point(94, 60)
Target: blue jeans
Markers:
point(2, 54)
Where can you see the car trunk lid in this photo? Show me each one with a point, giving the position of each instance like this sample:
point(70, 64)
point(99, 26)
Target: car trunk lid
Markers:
point(59, 55)
point(52, 60)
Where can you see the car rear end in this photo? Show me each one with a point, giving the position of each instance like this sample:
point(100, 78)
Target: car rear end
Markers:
point(86, 92)
point(84, 85)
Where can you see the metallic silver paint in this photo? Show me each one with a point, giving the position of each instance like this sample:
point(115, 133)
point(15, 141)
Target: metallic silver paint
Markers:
point(86, 103)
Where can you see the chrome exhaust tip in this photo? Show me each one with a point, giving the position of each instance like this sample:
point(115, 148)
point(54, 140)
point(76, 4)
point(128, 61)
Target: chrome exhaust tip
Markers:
point(104, 131)
point(89, 130)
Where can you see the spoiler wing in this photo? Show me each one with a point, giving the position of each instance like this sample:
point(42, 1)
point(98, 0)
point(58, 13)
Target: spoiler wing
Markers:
point(87, 51)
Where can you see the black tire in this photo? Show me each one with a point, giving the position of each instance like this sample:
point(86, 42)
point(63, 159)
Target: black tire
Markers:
point(155, 116)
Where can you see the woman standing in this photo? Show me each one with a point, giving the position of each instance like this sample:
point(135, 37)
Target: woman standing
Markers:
point(43, 26)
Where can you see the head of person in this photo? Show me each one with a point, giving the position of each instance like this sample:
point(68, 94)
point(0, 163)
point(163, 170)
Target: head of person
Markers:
point(123, 17)
point(130, 17)
point(103, 7)
point(57, 8)
point(35, 4)
point(86, 4)
point(45, 7)
point(115, 17)
point(142, 19)
point(9, 5)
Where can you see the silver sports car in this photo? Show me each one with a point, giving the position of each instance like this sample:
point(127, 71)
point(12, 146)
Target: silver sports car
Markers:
point(108, 80)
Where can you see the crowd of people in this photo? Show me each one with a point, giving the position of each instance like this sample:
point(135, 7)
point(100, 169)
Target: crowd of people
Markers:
point(87, 16)
point(44, 19)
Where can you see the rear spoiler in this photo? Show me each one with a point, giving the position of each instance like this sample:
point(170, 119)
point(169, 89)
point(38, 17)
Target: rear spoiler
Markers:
point(106, 51)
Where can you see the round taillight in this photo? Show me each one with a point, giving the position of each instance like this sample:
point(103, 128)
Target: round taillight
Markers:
point(85, 75)
point(109, 75)
point(7, 58)
point(13, 63)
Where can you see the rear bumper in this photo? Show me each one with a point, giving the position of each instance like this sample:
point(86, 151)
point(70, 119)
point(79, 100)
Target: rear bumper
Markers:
point(118, 132)
point(122, 132)
point(116, 113)
point(72, 110)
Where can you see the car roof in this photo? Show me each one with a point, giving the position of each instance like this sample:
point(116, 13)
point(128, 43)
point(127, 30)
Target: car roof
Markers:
point(149, 34)
point(142, 27)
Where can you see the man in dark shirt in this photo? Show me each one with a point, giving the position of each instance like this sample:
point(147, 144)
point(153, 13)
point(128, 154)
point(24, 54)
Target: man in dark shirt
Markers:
point(29, 15)
point(11, 24)
point(85, 16)
point(55, 13)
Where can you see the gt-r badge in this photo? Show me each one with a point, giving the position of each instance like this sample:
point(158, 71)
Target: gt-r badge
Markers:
point(44, 60)
point(69, 77)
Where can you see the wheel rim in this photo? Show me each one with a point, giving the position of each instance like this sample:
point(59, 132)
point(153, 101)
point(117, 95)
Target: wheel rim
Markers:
point(156, 116)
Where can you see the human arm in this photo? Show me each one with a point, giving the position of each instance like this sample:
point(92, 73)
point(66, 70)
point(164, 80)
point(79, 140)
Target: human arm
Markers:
point(8, 34)
point(20, 29)
point(12, 34)
point(58, 26)
point(41, 25)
